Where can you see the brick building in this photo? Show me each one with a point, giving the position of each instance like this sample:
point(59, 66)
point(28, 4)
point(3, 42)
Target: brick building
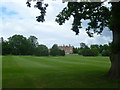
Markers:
point(67, 49)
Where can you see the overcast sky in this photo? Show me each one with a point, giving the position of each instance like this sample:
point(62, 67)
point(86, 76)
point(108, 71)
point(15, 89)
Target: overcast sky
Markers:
point(17, 18)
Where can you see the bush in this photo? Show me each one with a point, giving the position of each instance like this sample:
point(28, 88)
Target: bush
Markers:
point(95, 51)
point(75, 50)
point(41, 50)
point(6, 48)
point(89, 52)
point(55, 51)
point(80, 52)
point(62, 53)
point(105, 53)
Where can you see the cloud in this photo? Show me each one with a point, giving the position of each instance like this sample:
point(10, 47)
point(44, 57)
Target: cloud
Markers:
point(17, 18)
point(5, 11)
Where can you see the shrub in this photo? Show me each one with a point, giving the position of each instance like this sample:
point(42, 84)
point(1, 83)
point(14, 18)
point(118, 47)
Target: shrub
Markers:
point(80, 52)
point(41, 50)
point(75, 50)
point(55, 51)
point(105, 53)
point(62, 53)
point(89, 52)
point(95, 51)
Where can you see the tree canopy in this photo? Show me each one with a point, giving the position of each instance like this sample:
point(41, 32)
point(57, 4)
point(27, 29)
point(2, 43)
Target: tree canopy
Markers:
point(41, 50)
point(97, 14)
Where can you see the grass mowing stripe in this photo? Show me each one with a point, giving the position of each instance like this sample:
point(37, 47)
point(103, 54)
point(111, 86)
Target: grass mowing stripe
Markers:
point(60, 65)
point(80, 63)
point(10, 63)
point(31, 63)
point(49, 72)
point(64, 65)
point(14, 71)
point(71, 61)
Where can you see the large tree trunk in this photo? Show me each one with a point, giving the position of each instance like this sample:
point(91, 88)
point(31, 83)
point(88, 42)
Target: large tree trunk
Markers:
point(114, 71)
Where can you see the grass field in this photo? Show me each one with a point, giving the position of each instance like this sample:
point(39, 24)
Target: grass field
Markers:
point(71, 71)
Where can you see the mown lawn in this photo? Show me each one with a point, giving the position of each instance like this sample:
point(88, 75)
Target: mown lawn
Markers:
point(71, 71)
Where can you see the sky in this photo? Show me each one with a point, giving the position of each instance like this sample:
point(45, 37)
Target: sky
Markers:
point(17, 18)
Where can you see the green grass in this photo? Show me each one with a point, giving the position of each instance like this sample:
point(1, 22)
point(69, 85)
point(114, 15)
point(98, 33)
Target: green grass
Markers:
point(71, 71)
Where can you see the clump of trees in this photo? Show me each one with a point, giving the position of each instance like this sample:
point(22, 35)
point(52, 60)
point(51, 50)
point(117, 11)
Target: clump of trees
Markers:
point(41, 50)
point(93, 50)
point(20, 45)
point(89, 52)
point(55, 51)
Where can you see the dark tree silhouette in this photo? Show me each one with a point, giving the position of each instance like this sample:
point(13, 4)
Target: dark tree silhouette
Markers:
point(19, 45)
point(41, 50)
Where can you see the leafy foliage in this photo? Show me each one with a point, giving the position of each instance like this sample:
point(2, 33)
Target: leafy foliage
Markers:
point(62, 52)
point(6, 48)
point(83, 45)
point(19, 45)
point(95, 50)
point(75, 50)
point(97, 14)
point(55, 51)
point(89, 52)
point(33, 44)
point(42, 7)
point(41, 50)
point(105, 53)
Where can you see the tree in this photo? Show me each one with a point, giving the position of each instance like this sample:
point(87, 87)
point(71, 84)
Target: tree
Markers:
point(89, 52)
point(99, 17)
point(33, 43)
point(75, 50)
point(105, 53)
point(41, 50)
point(6, 48)
point(54, 51)
point(101, 48)
point(104, 50)
point(83, 45)
point(86, 51)
point(94, 46)
point(62, 52)
point(19, 45)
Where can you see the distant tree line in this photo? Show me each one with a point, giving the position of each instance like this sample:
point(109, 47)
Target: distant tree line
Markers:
point(20, 45)
point(93, 50)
